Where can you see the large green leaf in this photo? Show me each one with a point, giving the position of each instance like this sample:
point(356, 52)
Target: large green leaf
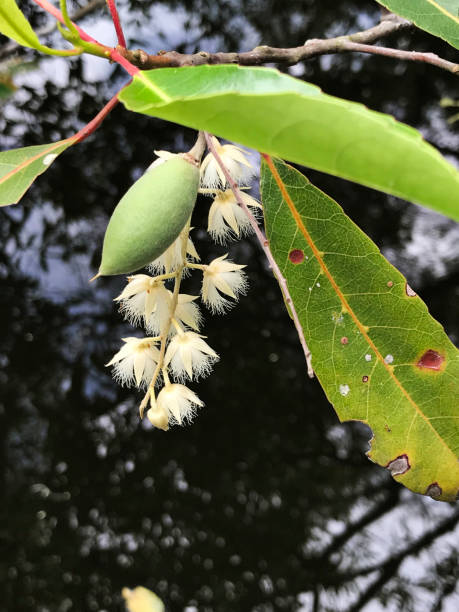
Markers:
point(439, 17)
point(20, 167)
point(283, 116)
point(14, 25)
point(379, 355)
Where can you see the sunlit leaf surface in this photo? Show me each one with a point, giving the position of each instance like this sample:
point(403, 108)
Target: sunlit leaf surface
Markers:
point(14, 25)
point(283, 116)
point(439, 17)
point(379, 355)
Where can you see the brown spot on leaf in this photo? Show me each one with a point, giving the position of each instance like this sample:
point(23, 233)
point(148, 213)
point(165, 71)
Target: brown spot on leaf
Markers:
point(344, 340)
point(434, 490)
point(296, 256)
point(409, 291)
point(364, 378)
point(390, 284)
point(399, 465)
point(431, 360)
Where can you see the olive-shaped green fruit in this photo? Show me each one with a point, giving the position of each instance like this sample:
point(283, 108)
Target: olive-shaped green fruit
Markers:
point(150, 216)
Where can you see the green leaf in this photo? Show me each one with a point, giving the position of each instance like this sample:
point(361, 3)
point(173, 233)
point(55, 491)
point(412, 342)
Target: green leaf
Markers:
point(378, 354)
point(20, 167)
point(286, 117)
point(14, 25)
point(439, 17)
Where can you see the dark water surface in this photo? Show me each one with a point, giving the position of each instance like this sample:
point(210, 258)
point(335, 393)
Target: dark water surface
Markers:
point(266, 502)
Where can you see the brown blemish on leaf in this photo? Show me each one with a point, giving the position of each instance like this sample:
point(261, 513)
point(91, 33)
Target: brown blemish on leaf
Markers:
point(434, 490)
point(409, 291)
point(431, 360)
point(390, 284)
point(387, 428)
point(296, 256)
point(365, 379)
point(344, 340)
point(399, 465)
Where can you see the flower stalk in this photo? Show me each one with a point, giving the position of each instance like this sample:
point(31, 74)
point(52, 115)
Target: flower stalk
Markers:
point(177, 275)
point(265, 246)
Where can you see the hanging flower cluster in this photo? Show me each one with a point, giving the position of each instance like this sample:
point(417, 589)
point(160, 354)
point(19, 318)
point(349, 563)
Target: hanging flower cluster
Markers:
point(174, 352)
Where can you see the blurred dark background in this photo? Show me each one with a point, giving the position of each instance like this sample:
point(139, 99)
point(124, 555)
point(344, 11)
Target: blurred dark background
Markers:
point(266, 502)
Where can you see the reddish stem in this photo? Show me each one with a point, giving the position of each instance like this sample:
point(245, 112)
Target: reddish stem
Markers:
point(52, 10)
point(92, 126)
point(116, 56)
point(116, 22)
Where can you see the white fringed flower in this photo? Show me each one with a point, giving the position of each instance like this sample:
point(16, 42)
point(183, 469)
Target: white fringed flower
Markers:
point(225, 277)
point(187, 313)
point(135, 362)
point(227, 219)
point(159, 319)
point(189, 356)
point(141, 297)
point(179, 402)
point(171, 259)
point(240, 169)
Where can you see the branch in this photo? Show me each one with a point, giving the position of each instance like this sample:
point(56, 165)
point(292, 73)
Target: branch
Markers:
point(360, 42)
point(415, 56)
point(389, 568)
point(12, 46)
point(265, 246)
point(374, 514)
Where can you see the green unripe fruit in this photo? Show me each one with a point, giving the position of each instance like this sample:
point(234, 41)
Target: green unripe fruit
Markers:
point(150, 216)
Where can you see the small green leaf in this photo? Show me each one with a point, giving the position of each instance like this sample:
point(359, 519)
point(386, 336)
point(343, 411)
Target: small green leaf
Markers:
point(439, 17)
point(378, 354)
point(14, 25)
point(289, 118)
point(20, 167)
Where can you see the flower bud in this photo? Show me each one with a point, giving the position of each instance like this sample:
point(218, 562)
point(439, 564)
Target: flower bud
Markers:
point(150, 216)
point(158, 417)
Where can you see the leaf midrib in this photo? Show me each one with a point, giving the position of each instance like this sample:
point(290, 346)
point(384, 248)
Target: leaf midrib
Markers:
point(443, 10)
